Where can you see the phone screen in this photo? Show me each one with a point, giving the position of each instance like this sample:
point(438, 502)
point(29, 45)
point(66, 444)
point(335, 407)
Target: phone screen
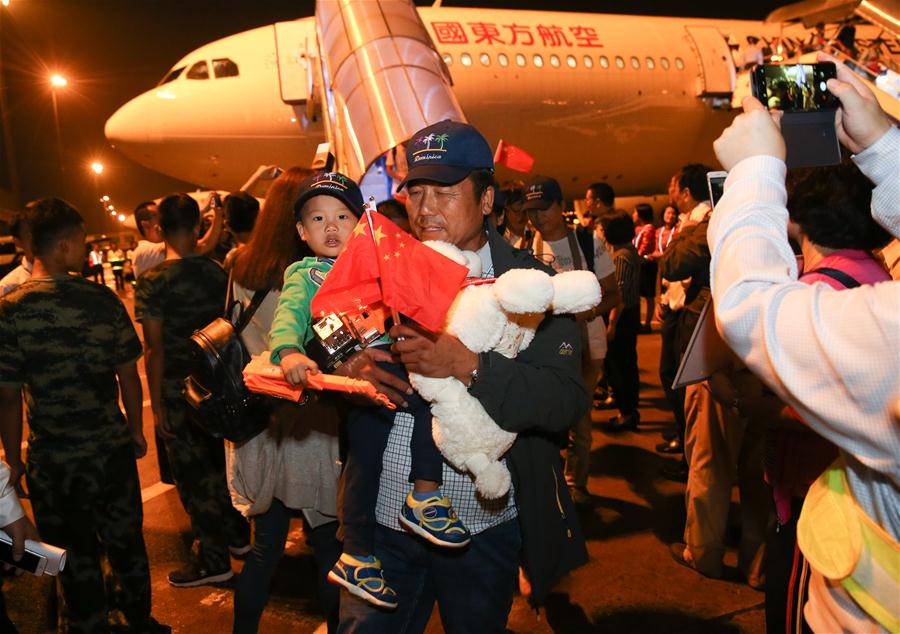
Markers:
point(794, 87)
point(716, 183)
point(29, 562)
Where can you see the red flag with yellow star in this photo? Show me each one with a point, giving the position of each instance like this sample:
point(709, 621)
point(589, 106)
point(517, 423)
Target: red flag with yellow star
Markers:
point(414, 279)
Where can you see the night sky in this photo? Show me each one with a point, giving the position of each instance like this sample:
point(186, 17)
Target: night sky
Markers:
point(113, 50)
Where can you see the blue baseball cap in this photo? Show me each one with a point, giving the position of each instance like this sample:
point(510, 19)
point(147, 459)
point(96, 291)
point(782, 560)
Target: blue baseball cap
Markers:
point(332, 184)
point(541, 192)
point(446, 153)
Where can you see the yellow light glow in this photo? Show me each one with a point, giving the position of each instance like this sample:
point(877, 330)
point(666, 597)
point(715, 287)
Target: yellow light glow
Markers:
point(112, 213)
point(97, 167)
point(105, 199)
point(5, 3)
point(110, 207)
point(58, 81)
point(121, 217)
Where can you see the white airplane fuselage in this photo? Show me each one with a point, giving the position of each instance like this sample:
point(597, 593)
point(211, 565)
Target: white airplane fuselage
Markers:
point(602, 105)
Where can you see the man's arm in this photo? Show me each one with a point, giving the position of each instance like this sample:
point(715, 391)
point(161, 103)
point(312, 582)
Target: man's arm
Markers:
point(211, 238)
point(541, 389)
point(831, 355)
point(132, 398)
point(686, 255)
point(11, 430)
point(154, 360)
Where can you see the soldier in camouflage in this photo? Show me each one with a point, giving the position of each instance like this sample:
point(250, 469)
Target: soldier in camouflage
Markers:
point(172, 300)
point(66, 341)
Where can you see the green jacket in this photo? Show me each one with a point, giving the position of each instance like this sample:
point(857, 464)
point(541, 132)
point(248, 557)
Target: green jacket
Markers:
point(291, 327)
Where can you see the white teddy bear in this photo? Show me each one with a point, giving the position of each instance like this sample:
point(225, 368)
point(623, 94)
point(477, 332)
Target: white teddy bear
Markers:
point(503, 317)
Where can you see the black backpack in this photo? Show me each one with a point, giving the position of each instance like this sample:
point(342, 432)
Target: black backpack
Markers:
point(215, 389)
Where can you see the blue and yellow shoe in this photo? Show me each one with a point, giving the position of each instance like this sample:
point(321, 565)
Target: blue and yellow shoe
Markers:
point(364, 579)
point(435, 520)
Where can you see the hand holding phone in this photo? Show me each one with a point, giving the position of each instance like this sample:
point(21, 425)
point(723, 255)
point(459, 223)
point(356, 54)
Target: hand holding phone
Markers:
point(860, 119)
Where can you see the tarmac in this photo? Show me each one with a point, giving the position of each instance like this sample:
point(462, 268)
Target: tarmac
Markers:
point(631, 583)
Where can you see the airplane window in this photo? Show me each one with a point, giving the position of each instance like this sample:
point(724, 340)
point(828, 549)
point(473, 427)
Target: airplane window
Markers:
point(588, 61)
point(571, 61)
point(465, 59)
point(620, 63)
point(679, 63)
point(538, 60)
point(485, 59)
point(635, 63)
point(604, 62)
point(225, 68)
point(448, 58)
point(650, 63)
point(198, 71)
point(502, 59)
point(664, 62)
point(554, 61)
point(520, 59)
point(174, 74)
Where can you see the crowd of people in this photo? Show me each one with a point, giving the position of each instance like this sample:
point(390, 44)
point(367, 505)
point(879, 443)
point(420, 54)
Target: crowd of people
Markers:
point(804, 416)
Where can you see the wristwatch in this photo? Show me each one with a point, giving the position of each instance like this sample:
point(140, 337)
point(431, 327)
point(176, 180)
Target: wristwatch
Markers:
point(473, 377)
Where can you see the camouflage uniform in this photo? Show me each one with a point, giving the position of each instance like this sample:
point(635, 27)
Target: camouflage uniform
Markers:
point(186, 295)
point(62, 339)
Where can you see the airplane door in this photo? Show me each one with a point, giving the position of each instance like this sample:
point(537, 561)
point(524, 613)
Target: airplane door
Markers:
point(717, 74)
point(293, 62)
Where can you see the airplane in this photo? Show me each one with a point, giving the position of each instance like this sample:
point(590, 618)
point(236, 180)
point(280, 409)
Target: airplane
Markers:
point(593, 97)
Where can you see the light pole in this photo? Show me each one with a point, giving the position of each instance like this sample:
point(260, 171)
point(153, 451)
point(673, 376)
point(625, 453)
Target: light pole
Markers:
point(57, 81)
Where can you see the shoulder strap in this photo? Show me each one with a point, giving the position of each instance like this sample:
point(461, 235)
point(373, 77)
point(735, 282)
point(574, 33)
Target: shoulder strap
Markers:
point(246, 313)
point(585, 238)
point(575, 248)
point(845, 279)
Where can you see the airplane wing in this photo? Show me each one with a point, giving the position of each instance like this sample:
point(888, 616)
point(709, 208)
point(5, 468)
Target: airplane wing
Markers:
point(382, 78)
point(879, 12)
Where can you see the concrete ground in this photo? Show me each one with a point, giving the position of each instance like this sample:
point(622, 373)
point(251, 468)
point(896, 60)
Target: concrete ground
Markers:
point(630, 584)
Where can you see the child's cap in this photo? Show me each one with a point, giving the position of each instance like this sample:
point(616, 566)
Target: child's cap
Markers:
point(330, 184)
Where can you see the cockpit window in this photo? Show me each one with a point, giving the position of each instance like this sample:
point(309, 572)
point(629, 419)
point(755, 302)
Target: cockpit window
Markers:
point(224, 68)
point(198, 71)
point(174, 74)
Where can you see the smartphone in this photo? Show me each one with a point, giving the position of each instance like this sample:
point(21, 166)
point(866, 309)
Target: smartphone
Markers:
point(30, 562)
point(716, 183)
point(794, 87)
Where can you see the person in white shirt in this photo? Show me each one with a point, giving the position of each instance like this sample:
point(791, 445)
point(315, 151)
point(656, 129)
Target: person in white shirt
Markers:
point(558, 246)
point(22, 237)
point(832, 356)
point(151, 250)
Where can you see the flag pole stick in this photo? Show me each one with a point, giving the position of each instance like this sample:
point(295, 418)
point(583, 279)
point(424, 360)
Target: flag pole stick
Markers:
point(368, 211)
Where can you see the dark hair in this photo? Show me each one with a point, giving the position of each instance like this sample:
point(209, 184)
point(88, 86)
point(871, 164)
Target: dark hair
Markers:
point(832, 205)
point(513, 192)
point(603, 192)
point(274, 244)
point(618, 227)
point(144, 213)
point(644, 212)
point(241, 210)
point(481, 180)
point(693, 176)
point(50, 220)
point(499, 199)
point(178, 213)
point(392, 209)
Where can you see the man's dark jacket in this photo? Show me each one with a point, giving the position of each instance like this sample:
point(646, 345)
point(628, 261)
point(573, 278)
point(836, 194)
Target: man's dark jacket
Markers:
point(688, 256)
point(538, 395)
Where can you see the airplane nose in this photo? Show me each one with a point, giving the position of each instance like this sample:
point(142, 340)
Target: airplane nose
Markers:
point(127, 125)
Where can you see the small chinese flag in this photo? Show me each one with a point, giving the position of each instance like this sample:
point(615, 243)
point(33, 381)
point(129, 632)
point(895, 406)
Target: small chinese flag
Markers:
point(515, 158)
point(415, 280)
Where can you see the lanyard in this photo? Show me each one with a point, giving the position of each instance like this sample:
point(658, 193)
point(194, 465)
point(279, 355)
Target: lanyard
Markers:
point(659, 240)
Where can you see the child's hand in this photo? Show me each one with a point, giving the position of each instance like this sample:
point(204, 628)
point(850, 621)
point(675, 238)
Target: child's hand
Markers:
point(295, 366)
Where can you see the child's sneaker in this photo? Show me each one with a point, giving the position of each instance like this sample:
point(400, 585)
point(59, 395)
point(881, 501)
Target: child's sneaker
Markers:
point(364, 579)
point(435, 520)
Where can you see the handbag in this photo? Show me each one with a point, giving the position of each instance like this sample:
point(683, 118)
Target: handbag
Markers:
point(215, 389)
